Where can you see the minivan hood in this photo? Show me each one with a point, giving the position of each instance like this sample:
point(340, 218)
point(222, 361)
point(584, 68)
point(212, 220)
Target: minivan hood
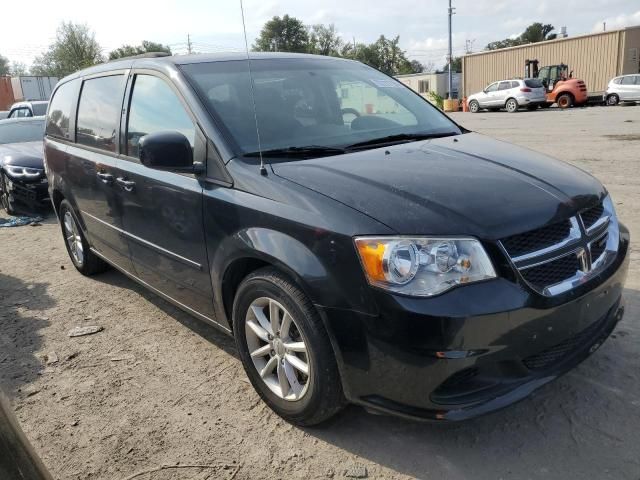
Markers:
point(463, 185)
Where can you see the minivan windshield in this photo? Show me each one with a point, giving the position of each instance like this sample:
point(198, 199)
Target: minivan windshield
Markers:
point(304, 105)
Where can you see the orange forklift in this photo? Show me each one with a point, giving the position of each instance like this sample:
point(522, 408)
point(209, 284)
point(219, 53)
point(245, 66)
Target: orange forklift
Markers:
point(559, 83)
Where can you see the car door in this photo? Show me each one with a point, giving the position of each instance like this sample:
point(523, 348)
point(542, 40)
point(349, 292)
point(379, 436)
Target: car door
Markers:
point(634, 88)
point(487, 99)
point(162, 214)
point(93, 165)
point(500, 96)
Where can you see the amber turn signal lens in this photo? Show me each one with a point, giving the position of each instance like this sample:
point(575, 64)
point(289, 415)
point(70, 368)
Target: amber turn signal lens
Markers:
point(371, 252)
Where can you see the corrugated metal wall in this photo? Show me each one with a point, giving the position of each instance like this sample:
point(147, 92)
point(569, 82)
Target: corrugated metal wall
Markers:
point(6, 93)
point(593, 58)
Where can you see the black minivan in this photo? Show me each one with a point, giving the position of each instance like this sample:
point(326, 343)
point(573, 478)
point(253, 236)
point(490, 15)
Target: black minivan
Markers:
point(358, 244)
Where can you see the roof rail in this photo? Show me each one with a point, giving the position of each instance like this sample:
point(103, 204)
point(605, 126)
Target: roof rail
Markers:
point(144, 55)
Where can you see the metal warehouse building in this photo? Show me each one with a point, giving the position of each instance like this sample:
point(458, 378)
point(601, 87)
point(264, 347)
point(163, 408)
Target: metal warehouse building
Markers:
point(594, 58)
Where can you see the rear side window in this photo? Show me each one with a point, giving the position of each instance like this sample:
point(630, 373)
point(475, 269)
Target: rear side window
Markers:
point(99, 112)
point(515, 84)
point(155, 108)
point(60, 112)
point(39, 109)
point(533, 83)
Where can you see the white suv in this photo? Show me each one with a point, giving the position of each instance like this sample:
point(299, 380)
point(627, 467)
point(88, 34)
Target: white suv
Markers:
point(509, 94)
point(623, 89)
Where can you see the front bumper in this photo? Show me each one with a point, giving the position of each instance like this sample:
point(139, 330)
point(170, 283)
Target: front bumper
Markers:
point(474, 349)
point(33, 193)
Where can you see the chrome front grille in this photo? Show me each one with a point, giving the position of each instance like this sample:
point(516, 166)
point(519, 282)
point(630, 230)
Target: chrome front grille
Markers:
point(562, 255)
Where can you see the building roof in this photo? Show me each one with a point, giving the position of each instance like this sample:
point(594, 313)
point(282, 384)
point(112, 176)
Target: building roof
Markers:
point(563, 39)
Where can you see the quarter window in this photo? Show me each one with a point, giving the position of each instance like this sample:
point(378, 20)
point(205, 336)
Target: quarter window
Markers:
point(99, 112)
point(155, 108)
point(60, 111)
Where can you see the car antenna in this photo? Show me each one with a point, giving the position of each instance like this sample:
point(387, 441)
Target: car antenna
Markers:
point(263, 169)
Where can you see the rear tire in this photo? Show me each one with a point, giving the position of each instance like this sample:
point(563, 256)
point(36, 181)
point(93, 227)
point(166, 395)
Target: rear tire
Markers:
point(511, 105)
point(613, 99)
point(6, 199)
point(474, 106)
point(85, 261)
point(276, 356)
point(564, 100)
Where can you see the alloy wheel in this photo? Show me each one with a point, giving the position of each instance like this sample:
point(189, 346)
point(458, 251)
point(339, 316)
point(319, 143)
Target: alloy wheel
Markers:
point(277, 349)
point(73, 238)
point(612, 100)
point(512, 106)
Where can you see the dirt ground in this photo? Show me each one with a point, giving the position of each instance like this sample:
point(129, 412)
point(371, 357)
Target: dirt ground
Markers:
point(157, 387)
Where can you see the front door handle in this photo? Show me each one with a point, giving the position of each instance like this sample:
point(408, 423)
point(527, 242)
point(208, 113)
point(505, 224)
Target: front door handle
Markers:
point(105, 177)
point(127, 185)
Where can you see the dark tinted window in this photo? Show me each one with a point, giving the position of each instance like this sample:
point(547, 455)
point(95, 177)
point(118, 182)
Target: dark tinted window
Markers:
point(155, 108)
point(533, 83)
point(311, 101)
point(60, 112)
point(27, 131)
point(99, 112)
point(504, 86)
point(39, 109)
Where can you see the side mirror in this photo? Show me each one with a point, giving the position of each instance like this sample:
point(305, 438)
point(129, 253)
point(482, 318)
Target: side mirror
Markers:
point(169, 151)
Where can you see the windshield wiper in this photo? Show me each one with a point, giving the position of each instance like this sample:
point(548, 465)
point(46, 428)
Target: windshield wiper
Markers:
point(399, 138)
point(303, 151)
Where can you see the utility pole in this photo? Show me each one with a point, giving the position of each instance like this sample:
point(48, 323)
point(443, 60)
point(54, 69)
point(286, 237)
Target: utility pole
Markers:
point(189, 43)
point(451, 12)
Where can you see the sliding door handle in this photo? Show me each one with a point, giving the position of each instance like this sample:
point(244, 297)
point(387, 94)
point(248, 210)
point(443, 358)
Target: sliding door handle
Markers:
point(127, 185)
point(105, 177)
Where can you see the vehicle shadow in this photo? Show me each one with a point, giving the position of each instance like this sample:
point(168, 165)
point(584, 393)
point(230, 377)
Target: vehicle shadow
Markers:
point(563, 430)
point(199, 327)
point(20, 327)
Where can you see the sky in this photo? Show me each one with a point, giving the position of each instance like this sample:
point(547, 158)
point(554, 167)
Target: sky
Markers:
point(216, 25)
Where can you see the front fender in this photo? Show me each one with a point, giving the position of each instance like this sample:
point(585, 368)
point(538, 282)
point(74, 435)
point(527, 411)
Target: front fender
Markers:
point(336, 282)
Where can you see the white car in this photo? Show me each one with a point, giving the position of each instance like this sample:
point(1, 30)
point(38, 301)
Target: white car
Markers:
point(510, 95)
point(623, 89)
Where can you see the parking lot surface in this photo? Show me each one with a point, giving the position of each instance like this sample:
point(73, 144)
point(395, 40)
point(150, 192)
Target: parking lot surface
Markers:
point(157, 388)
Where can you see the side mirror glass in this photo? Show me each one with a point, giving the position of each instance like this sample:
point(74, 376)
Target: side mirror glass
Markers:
point(169, 151)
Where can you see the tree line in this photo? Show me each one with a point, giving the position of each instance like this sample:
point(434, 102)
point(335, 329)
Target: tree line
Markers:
point(75, 48)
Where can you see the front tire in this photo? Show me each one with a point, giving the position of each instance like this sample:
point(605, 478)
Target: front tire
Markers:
point(565, 100)
point(85, 261)
point(285, 349)
point(6, 199)
point(613, 100)
point(474, 106)
point(511, 105)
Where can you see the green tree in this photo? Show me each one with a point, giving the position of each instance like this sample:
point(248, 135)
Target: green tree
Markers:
point(417, 67)
point(18, 69)
point(75, 48)
point(384, 54)
point(145, 47)
point(323, 40)
point(286, 34)
point(536, 32)
point(4, 66)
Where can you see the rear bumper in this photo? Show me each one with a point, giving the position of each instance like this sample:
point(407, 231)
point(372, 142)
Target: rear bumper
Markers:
point(475, 349)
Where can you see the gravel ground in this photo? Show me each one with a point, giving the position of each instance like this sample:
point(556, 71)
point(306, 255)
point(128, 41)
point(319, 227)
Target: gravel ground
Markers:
point(157, 387)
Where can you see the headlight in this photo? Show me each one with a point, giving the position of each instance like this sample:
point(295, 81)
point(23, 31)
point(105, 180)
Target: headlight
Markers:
point(422, 267)
point(23, 172)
